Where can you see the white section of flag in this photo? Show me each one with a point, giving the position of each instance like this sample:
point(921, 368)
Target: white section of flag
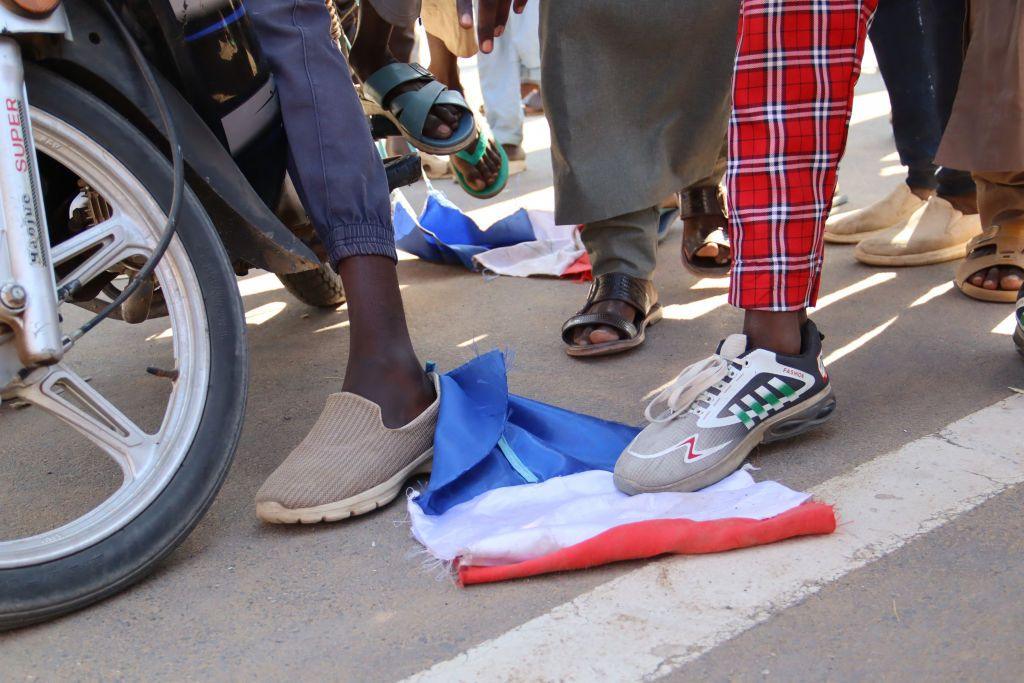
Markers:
point(517, 523)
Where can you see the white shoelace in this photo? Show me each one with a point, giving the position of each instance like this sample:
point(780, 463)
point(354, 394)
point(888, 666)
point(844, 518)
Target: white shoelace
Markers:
point(691, 385)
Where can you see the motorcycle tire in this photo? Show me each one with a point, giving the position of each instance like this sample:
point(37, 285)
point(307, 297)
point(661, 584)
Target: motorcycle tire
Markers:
point(35, 593)
point(320, 287)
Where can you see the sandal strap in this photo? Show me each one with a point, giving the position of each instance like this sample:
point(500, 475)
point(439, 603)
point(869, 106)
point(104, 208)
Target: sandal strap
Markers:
point(701, 201)
point(586, 319)
point(620, 287)
point(390, 76)
point(473, 158)
point(413, 107)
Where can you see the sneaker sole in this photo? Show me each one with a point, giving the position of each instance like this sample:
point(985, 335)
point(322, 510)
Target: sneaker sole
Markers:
point(359, 504)
point(775, 428)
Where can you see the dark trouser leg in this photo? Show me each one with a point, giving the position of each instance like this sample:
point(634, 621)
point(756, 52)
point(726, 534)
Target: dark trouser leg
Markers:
point(919, 45)
point(336, 168)
point(342, 184)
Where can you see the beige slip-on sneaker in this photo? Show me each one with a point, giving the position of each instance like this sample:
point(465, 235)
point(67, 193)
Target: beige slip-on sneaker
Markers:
point(854, 226)
point(348, 464)
point(934, 234)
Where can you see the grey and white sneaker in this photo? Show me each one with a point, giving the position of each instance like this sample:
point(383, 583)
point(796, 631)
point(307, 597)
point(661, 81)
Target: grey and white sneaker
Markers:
point(717, 410)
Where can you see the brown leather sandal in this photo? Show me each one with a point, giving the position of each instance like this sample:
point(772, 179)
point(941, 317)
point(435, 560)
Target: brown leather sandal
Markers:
point(703, 201)
point(640, 294)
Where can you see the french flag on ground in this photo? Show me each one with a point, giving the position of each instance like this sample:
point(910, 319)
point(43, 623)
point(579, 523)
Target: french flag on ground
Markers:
point(521, 488)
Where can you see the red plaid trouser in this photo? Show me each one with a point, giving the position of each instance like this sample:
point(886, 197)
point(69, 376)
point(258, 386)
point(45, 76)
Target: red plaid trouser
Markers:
point(797, 62)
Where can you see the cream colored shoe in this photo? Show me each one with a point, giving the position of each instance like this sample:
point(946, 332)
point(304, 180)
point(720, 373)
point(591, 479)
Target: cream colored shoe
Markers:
point(934, 234)
point(348, 464)
point(436, 167)
point(854, 226)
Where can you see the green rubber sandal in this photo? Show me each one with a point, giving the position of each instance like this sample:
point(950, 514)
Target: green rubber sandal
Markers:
point(408, 110)
point(482, 142)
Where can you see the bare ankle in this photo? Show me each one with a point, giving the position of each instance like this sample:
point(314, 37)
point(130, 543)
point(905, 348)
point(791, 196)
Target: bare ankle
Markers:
point(922, 192)
point(777, 331)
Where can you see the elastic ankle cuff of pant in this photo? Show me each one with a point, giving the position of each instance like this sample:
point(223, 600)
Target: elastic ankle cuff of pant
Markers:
point(349, 248)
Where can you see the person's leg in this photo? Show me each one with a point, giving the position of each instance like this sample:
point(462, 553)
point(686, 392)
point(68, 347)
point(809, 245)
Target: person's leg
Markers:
point(1001, 203)
point(499, 83)
point(370, 53)
point(705, 244)
point(344, 189)
point(623, 244)
point(787, 133)
point(527, 42)
point(957, 188)
point(919, 47)
point(403, 42)
point(445, 67)
point(796, 66)
point(443, 64)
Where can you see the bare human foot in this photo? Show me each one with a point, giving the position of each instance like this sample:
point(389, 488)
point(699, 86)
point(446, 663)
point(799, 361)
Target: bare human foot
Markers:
point(702, 214)
point(484, 173)
point(1002, 277)
point(601, 334)
point(704, 226)
point(370, 53)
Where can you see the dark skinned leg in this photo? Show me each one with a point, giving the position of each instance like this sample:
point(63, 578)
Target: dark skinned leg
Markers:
point(777, 331)
point(445, 67)
point(370, 53)
point(922, 192)
point(382, 365)
point(444, 64)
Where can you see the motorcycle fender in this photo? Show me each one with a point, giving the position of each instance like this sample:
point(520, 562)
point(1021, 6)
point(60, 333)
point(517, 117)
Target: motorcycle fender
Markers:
point(99, 61)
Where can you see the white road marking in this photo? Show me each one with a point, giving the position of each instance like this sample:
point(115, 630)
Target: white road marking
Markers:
point(653, 620)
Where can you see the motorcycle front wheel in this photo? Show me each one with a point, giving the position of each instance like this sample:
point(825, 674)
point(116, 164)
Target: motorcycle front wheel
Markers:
point(106, 189)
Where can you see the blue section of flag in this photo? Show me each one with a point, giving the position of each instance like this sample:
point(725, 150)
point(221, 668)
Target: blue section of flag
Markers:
point(444, 234)
point(480, 422)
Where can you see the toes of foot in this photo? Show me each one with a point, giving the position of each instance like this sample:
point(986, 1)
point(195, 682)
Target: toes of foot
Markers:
point(708, 251)
point(992, 279)
point(437, 128)
point(1010, 278)
point(447, 114)
point(582, 337)
point(603, 335)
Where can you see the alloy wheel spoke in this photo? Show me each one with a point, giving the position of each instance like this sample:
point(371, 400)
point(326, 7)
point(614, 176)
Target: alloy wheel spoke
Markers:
point(65, 394)
point(110, 242)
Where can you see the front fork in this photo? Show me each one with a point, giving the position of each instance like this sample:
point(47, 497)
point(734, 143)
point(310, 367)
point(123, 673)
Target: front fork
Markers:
point(28, 291)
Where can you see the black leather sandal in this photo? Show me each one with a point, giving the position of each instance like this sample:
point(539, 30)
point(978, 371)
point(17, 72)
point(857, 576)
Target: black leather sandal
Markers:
point(640, 294)
point(703, 201)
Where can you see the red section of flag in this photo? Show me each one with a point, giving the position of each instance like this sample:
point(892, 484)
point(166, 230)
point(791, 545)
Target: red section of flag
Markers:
point(580, 270)
point(663, 536)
